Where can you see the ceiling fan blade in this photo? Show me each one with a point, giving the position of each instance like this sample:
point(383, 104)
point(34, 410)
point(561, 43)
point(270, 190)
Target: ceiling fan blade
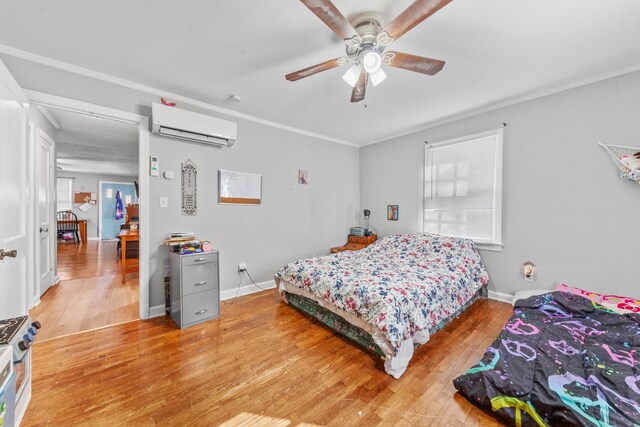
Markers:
point(360, 88)
point(419, 64)
point(330, 15)
point(315, 69)
point(417, 12)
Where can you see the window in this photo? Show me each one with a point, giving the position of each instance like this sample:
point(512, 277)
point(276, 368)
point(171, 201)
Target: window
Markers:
point(463, 188)
point(64, 196)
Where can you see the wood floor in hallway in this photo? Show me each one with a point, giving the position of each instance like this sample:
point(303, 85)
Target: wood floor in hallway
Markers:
point(90, 293)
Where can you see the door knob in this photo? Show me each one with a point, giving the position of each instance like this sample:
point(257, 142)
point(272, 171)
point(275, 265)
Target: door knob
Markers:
point(44, 230)
point(11, 254)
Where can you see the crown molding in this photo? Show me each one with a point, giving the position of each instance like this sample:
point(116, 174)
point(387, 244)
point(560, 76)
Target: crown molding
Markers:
point(48, 116)
point(39, 59)
point(492, 106)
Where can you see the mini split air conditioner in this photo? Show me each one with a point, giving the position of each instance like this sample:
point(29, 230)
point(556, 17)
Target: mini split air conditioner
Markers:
point(182, 124)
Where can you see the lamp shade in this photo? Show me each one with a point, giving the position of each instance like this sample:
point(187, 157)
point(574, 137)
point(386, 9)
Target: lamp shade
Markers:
point(378, 76)
point(352, 75)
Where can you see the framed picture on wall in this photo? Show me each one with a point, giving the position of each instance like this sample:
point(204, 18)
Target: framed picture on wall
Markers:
point(303, 176)
point(239, 188)
point(392, 212)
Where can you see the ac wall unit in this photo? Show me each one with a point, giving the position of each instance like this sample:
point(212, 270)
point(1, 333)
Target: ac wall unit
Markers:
point(182, 124)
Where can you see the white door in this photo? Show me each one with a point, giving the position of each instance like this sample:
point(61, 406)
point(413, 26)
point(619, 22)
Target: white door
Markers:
point(13, 197)
point(44, 189)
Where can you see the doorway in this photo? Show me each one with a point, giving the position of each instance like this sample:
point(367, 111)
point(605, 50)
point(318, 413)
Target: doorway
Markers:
point(89, 293)
point(110, 218)
point(44, 248)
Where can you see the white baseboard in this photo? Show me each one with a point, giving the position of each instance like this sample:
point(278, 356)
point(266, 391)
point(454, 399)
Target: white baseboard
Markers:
point(247, 289)
point(500, 296)
point(157, 311)
point(93, 238)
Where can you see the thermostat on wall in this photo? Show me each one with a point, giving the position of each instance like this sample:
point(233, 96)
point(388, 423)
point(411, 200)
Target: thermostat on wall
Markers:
point(169, 175)
point(153, 166)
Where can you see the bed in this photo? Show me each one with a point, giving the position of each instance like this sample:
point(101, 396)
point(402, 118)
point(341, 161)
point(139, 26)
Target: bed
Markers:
point(391, 295)
point(561, 359)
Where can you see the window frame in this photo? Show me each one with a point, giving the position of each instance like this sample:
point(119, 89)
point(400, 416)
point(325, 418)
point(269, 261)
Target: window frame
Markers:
point(70, 192)
point(496, 243)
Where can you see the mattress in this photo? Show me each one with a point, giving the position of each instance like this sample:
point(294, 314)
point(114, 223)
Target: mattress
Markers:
point(397, 290)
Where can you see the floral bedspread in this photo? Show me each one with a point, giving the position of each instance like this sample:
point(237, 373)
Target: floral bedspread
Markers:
point(402, 284)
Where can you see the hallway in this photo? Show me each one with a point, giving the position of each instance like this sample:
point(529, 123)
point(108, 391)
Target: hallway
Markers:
point(90, 293)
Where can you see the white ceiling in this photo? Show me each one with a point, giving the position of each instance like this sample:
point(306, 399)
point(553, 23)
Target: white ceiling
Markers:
point(91, 144)
point(495, 51)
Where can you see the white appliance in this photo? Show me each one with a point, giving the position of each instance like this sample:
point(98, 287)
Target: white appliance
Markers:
point(182, 124)
point(7, 388)
point(16, 337)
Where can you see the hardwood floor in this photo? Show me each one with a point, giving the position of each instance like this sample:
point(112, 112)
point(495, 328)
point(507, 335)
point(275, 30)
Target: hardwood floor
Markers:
point(261, 363)
point(95, 259)
point(90, 293)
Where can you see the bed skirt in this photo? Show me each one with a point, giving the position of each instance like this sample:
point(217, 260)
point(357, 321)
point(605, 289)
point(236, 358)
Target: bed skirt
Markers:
point(363, 334)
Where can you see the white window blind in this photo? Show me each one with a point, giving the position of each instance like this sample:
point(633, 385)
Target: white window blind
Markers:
point(64, 196)
point(463, 188)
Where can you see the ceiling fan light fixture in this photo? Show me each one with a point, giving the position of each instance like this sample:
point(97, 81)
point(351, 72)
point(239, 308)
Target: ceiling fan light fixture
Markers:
point(378, 76)
point(371, 62)
point(352, 75)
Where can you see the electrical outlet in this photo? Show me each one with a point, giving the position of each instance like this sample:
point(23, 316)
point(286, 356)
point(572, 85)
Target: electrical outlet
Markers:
point(164, 202)
point(242, 267)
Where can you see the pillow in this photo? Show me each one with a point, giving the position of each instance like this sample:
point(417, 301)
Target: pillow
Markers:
point(616, 303)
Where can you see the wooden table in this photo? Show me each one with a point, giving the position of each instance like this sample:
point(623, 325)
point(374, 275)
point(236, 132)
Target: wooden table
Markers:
point(82, 227)
point(127, 236)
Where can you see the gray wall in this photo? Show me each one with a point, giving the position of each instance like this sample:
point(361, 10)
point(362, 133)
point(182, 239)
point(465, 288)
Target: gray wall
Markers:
point(564, 207)
point(294, 221)
point(89, 183)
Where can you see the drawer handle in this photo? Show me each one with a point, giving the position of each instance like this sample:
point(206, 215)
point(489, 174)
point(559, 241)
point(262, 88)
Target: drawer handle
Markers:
point(200, 259)
point(201, 283)
point(201, 312)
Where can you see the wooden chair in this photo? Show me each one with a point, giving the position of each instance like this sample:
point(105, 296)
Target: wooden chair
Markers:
point(132, 246)
point(68, 223)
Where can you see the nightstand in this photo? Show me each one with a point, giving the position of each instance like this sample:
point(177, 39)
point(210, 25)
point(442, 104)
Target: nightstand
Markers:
point(355, 243)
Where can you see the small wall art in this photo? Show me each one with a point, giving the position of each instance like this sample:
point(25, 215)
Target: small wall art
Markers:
point(189, 194)
point(303, 176)
point(392, 212)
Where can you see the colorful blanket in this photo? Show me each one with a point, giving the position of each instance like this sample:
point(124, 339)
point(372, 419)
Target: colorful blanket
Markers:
point(401, 284)
point(561, 360)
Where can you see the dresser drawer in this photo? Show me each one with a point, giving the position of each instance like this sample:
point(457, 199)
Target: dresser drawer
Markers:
point(197, 259)
point(199, 277)
point(199, 307)
point(355, 246)
point(194, 288)
point(367, 240)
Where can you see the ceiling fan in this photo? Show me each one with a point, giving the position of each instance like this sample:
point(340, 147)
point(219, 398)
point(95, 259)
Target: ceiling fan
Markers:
point(366, 42)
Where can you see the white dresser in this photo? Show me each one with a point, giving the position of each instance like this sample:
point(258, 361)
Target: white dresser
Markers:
point(195, 288)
